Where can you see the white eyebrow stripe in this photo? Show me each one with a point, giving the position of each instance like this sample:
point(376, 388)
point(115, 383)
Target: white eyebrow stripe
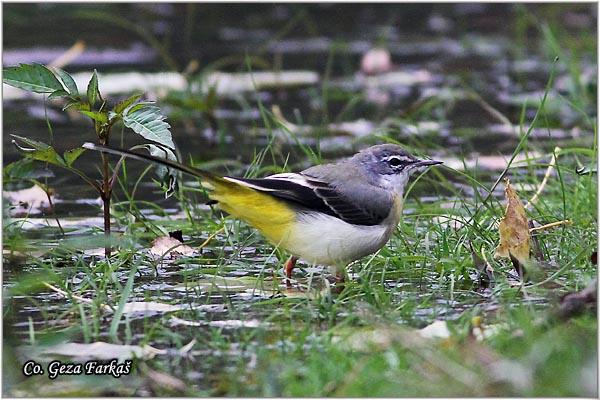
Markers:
point(401, 158)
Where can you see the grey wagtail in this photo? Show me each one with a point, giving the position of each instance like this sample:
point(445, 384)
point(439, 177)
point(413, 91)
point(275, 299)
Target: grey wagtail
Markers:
point(329, 214)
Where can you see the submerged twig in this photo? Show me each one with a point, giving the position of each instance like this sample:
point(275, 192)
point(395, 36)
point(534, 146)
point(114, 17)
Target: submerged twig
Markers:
point(105, 307)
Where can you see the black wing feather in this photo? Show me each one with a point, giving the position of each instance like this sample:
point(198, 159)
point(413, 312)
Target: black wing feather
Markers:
point(320, 197)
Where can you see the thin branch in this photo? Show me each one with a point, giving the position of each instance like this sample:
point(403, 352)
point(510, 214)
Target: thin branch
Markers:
point(551, 225)
point(546, 177)
point(105, 307)
point(62, 231)
point(489, 108)
point(71, 54)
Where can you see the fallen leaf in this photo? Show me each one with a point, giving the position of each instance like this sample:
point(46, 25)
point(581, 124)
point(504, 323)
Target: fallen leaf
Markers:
point(515, 239)
point(437, 329)
point(168, 246)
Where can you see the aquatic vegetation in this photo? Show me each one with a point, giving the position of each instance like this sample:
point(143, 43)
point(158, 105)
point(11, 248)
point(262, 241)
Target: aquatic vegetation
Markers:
point(143, 118)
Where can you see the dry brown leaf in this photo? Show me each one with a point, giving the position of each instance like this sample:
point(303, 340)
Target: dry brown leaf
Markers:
point(515, 238)
point(167, 246)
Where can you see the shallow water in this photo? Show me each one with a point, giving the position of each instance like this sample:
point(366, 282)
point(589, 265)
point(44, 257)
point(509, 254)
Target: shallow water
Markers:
point(441, 55)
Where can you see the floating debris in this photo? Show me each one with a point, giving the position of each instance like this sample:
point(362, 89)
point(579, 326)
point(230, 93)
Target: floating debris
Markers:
point(33, 200)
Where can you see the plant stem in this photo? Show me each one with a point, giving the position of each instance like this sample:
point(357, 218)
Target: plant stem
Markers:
point(106, 194)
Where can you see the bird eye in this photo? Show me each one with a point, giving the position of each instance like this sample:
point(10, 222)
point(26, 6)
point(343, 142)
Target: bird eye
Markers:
point(395, 162)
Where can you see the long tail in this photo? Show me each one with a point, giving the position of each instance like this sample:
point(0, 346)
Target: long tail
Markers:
point(205, 175)
point(269, 215)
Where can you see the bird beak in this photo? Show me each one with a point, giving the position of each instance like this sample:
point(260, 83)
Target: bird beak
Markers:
point(426, 163)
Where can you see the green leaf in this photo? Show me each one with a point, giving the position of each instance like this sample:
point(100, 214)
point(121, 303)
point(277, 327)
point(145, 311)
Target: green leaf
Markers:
point(167, 175)
point(93, 93)
point(98, 116)
point(67, 80)
point(135, 107)
point(122, 105)
point(78, 105)
point(71, 155)
point(32, 77)
point(57, 94)
point(39, 151)
point(25, 168)
point(147, 121)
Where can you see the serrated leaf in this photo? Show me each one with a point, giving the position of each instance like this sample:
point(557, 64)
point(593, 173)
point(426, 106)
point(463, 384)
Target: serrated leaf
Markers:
point(167, 175)
point(93, 93)
point(135, 107)
point(32, 77)
point(148, 122)
point(96, 115)
point(58, 93)
point(71, 155)
point(39, 151)
point(67, 81)
point(122, 105)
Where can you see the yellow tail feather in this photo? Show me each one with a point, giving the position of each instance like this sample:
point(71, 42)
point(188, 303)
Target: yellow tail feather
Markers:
point(272, 217)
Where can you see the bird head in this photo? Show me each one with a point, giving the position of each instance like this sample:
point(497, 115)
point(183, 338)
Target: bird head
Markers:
point(390, 166)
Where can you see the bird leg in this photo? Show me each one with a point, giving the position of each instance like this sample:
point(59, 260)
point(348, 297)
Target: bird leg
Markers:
point(289, 267)
point(340, 281)
point(337, 277)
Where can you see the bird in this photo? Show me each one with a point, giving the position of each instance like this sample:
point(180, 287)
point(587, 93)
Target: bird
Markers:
point(329, 214)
